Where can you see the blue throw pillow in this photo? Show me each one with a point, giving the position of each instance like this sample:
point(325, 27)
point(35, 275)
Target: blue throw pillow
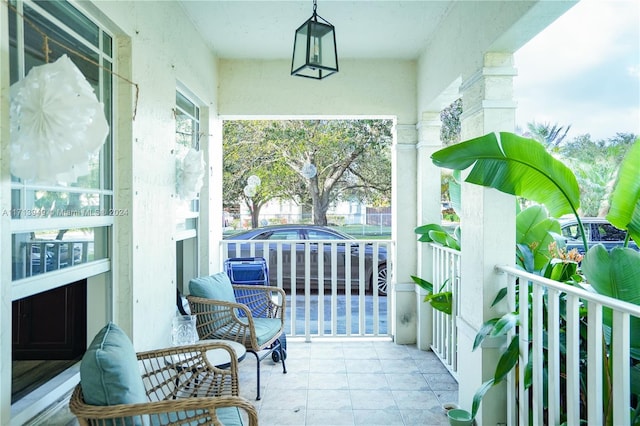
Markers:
point(109, 372)
point(216, 286)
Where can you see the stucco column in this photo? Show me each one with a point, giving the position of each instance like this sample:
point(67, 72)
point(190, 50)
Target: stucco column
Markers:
point(488, 236)
point(210, 232)
point(404, 207)
point(428, 200)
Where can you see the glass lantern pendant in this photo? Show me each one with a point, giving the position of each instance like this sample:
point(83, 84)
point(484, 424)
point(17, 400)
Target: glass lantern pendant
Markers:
point(314, 48)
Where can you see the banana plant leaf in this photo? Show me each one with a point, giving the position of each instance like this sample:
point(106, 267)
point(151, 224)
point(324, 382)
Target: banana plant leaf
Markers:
point(615, 274)
point(625, 200)
point(506, 363)
point(485, 330)
point(477, 397)
point(422, 283)
point(445, 239)
point(433, 232)
point(455, 192)
point(517, 166)
point(425, 230)
point(532, 229)
point(441, 301)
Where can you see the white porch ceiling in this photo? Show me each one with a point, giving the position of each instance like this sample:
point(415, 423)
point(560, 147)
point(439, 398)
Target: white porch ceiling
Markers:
point(264, 29)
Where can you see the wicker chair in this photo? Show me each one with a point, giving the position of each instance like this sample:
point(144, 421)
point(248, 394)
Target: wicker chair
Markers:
point(182, 387)
point(258, 328)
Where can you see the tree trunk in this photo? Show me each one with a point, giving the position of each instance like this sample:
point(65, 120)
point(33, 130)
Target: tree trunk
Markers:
point(319, 202)
point(255, 214)
point(320, 207)
point(319, 216)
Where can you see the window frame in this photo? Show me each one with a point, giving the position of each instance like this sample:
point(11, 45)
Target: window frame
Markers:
point(24, 193)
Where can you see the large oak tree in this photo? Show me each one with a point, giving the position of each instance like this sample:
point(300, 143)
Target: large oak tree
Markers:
point(351, 158)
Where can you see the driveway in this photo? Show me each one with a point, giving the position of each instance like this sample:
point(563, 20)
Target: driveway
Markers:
point(341, 317)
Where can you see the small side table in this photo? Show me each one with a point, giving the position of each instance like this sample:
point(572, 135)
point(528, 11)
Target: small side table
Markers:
point(220, 357)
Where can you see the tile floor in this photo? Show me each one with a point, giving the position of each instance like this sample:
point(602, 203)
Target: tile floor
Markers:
point(333, 383)
point(361, 382)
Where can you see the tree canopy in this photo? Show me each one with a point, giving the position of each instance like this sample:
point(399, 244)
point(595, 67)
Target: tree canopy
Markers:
point(312, 162)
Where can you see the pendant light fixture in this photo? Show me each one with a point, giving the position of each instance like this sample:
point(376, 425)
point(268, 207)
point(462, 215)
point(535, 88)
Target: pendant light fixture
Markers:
point(314, 48)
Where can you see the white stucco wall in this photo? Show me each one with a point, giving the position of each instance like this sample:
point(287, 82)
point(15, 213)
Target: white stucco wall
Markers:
point(158, 48)
point(364, 87)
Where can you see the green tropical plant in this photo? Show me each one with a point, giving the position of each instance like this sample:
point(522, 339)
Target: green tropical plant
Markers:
point(442, 300)
point(522, 167)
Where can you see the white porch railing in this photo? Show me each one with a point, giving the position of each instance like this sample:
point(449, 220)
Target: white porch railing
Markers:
point(576, 378)
point(568, 363)
point(340, 307)
point(446, 277)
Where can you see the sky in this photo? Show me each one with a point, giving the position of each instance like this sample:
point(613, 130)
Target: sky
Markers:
point(584, 71)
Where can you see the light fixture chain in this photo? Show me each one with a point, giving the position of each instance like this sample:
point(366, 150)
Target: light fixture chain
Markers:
point(315, 6)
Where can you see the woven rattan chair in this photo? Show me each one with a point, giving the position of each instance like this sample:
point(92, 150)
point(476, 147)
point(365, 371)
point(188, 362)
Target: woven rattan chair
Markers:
point(229, 317)
point(182, 388)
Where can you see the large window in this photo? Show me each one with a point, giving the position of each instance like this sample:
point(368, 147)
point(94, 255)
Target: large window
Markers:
point(57, 226)
point(188, 135)
point(187, 115)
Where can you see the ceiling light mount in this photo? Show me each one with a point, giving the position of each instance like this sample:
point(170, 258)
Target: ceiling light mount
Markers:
point(314, 48)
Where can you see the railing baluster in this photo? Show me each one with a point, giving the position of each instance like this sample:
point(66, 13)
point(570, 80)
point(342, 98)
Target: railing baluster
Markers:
point(513, 378)
point(594, 363)
point(362, 329)
point(449, 318)
point(293, 280)
point(620, 347)
point(307, 291)
point(320, 289)
point(347, 286)
point(334, 288)
point(525, 338)
point(374, 288)
point(573, 360)
point(537, 326)
point(553, 355)
point(279, 265)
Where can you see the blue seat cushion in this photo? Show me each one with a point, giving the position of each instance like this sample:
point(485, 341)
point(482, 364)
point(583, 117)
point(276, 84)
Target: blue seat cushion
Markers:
point(228, 416)
point(216, 286)
point(265, 328)
point(109, 372)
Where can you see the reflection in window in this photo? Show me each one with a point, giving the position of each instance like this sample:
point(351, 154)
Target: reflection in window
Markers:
point(36, 205)
point(45, 251)
point(608, 232)
point(319, 235)
point(187, 115)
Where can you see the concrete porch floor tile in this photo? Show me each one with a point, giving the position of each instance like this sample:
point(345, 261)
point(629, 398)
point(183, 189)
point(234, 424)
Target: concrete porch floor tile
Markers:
point(333, 383)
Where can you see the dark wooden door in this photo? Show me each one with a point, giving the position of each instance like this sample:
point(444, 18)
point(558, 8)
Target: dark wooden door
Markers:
point(51, 325)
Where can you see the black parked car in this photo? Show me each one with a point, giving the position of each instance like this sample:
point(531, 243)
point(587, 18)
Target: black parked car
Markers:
point(598, 231)
point(312, 232)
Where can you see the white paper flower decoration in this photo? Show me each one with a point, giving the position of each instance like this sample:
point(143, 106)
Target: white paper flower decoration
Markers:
point(190, 175)
point(56, 122)
point(250, 191)
point(254, 180)
point(309, 170)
